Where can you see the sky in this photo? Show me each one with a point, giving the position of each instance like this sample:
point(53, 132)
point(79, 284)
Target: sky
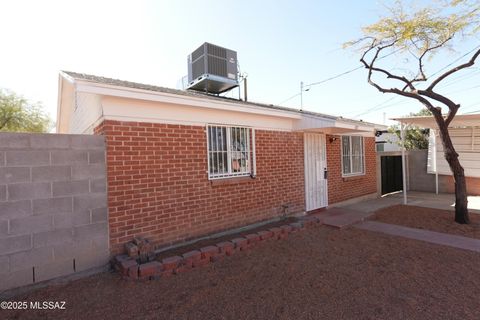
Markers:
point(279, 44)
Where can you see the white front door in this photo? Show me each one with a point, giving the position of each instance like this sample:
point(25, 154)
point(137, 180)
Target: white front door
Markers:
point(315, 171)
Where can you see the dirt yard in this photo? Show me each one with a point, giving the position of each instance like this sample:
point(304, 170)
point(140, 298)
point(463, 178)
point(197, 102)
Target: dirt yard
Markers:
point(429, 219)
point(320, 273)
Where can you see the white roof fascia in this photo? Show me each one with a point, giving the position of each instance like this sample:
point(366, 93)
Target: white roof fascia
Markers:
point(141, 94)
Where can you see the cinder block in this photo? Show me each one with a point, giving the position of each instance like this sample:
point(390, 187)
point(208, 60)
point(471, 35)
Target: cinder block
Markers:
point(100, 215)
point(16, 279)
point(14, 175)
point(90, 171)
point(51, 173)
point(25, 191)
point(31, 258)
point(27, 158)
point(101, 243)
point(52, 270)
point(61, 221)
point(53, 237)
point(91, 230)
point(72, 249)
point(15, 244)
point(98, 185)
point(14, 140)
point(3, 192)
point(69, 157)
point(31, 224)
point(96, 156)
point(81, 218)
point(89, 201)
point(3, 228)
point(68, 188)
point(49, 141)
point(2, 159)
point(4, 264)
point(92, 260)
point(15, 209)
point(87, 142)
point(52, 205)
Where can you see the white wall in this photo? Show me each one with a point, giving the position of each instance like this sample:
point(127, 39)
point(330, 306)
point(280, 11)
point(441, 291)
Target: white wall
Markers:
point(390, 142)
point(467, 144)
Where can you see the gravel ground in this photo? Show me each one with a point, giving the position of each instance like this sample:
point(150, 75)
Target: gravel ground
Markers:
point(430, 219)
point(320, 273)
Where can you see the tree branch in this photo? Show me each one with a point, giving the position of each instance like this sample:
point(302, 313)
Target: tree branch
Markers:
point(470, 63)
point(371, 68)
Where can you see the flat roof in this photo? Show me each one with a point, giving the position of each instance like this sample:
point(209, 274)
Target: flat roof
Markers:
point(460, 120)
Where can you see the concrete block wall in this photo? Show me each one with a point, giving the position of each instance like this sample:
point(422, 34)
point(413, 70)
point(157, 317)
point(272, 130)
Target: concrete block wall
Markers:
point(420, 180)
point(53, 206)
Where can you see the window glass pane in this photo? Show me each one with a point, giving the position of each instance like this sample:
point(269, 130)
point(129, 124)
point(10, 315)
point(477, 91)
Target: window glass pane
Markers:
point(346, 154)
point(228, 151)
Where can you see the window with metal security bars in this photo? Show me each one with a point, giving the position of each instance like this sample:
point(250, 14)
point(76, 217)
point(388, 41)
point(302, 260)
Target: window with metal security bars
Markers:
point(352, 156)
point(229, 153)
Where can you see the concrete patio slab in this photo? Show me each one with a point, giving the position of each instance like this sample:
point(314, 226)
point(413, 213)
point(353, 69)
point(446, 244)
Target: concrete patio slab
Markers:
point(443, 201)
point(422, 235)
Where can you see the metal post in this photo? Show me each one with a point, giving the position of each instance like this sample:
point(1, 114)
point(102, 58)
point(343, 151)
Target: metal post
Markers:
point(404, 169)
point(434, 149)
point(301, 95)
point(245, 88)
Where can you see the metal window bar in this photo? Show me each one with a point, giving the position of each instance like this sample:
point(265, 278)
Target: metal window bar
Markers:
point(228, 151)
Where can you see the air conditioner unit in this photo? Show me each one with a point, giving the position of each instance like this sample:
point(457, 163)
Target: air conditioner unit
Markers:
point(212, 69)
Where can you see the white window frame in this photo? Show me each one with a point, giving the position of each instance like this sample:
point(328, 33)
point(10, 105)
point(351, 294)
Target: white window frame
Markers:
point(249, 152)
point(362, 156)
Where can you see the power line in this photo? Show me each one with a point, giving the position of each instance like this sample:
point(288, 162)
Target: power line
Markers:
point(454, 61)
point(288, 99)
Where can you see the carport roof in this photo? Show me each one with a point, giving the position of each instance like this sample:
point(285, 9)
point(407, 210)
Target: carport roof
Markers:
point(461, 120)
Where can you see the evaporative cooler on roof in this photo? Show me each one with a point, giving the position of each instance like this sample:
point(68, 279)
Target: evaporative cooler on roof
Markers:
point(212, 69)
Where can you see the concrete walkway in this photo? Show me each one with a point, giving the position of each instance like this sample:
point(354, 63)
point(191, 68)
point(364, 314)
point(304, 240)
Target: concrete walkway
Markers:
point(341, 216)
point(422, 235)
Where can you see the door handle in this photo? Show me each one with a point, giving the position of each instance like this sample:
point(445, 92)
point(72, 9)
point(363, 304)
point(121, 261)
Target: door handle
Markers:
point(325, 173)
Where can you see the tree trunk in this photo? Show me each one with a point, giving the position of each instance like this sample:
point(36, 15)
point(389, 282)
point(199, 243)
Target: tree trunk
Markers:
point(461, 202)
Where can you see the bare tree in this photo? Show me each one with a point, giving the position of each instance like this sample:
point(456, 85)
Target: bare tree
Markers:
point(420, 34)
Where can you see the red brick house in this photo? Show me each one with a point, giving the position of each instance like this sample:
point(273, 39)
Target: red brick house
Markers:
point(182, 164)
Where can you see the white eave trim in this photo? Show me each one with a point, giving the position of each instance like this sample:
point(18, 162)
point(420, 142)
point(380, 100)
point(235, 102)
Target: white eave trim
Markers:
point(140, 94)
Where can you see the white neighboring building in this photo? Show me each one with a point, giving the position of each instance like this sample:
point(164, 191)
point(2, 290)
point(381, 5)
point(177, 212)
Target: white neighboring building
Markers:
point(465, 134)
point(387, 142)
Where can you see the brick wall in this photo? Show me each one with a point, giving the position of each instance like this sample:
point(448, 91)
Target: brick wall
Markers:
point(53, 213)
point(158, 185)
point(339, 188)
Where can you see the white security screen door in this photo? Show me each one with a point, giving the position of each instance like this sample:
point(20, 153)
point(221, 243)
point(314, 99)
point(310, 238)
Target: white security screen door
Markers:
point(315, 171)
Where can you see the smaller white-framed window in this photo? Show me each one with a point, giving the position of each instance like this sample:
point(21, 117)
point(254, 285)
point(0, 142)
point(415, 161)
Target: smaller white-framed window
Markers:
point(353, 156)
point(229, 151)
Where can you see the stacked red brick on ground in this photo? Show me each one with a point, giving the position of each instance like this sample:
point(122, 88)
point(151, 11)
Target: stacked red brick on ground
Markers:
point(131, 266)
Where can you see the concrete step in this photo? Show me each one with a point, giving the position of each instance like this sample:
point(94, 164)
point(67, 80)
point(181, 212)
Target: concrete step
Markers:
point(338, 217)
